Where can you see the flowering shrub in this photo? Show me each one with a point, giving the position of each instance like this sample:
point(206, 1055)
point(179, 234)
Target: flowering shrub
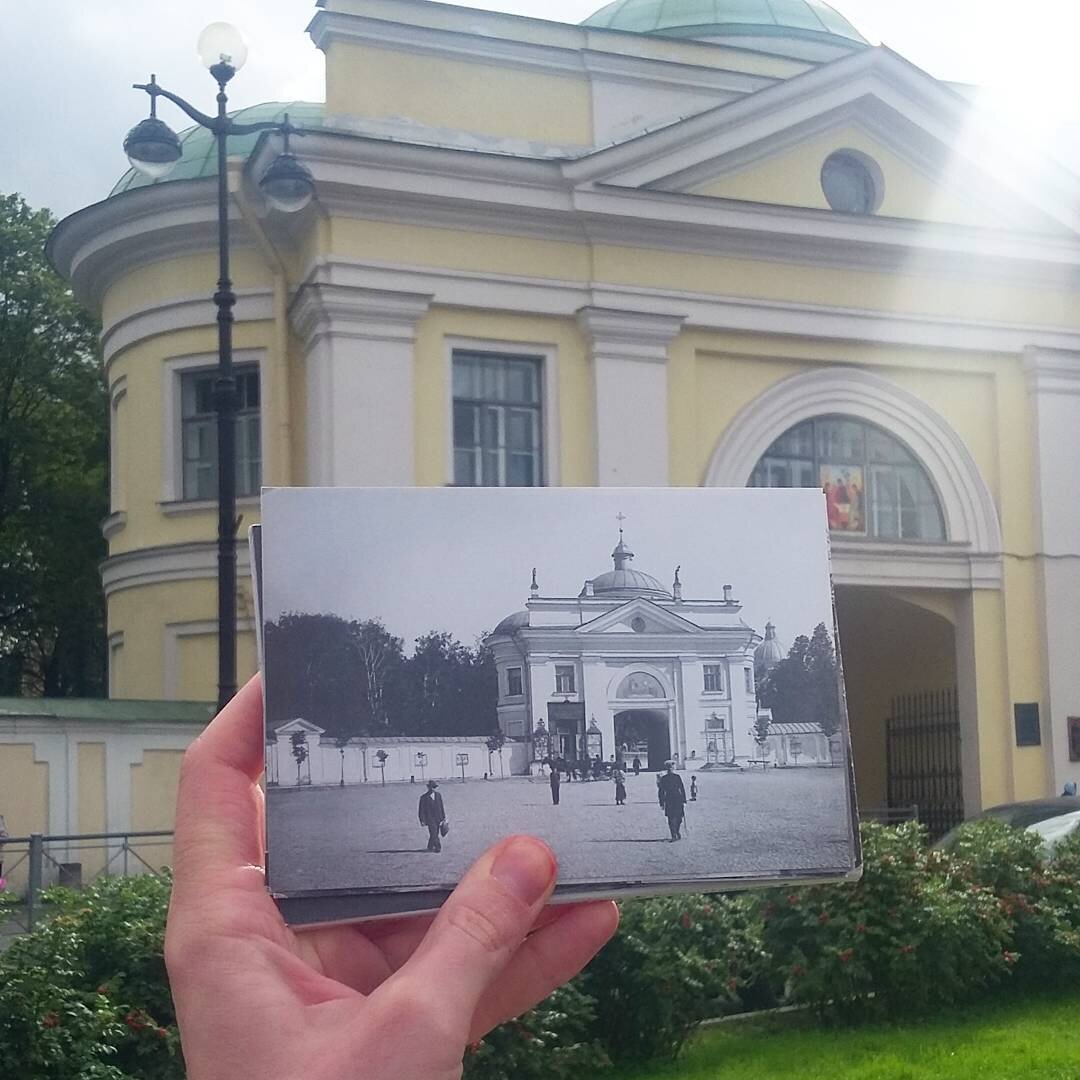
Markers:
point(554, 1041)
point(85, 996)
point(674, 962)
point(911, 936)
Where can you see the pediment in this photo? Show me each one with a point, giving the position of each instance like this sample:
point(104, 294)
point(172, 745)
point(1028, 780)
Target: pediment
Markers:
point(299, 724)
point(639, 616)
point(940, 161)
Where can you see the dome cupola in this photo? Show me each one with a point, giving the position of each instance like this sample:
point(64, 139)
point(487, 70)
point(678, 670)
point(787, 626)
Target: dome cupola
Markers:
point(807, 28)
point(624, 581)
point(770, 652)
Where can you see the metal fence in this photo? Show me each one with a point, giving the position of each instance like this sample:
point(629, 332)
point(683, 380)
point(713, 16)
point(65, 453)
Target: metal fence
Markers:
point(39, 861)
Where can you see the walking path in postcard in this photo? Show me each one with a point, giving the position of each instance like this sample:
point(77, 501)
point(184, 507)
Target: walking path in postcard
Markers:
point(759, 822)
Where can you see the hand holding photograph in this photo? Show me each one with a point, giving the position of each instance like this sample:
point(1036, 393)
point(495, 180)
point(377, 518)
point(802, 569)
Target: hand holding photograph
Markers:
point(648, 680)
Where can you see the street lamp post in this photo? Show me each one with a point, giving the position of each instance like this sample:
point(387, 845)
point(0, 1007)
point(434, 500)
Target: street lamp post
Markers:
point(153, 148)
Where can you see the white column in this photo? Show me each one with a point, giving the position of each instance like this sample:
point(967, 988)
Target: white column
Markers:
point(629, 351)
point(1053, 378)
point(358, 347)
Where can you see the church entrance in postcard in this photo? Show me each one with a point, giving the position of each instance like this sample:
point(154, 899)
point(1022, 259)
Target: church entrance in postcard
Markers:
point(643, 733)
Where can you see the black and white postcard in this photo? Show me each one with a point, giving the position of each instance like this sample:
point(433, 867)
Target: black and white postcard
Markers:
point(647, 679)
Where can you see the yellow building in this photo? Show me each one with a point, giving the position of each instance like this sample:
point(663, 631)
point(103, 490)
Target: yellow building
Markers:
point(683, 243)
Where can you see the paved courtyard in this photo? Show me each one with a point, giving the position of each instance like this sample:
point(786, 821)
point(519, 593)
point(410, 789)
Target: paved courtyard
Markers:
point(368, 836)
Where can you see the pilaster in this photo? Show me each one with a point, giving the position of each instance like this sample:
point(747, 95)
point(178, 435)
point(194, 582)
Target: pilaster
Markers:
point(1053, 380)
point(629, 352)
point(358, 345)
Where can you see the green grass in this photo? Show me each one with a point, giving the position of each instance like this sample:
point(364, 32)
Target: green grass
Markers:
point(1021, 1039)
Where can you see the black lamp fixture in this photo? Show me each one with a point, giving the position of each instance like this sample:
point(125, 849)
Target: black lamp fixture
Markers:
point(153, 148)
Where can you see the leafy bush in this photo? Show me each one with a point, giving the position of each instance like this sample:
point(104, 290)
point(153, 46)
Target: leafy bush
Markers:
point(85, 996)
point(554, 1041)
point(913, 935)
point(1039, 896)
point(674, 962)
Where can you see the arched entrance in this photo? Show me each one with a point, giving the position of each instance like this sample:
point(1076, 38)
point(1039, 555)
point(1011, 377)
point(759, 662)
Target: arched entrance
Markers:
point(643, 733)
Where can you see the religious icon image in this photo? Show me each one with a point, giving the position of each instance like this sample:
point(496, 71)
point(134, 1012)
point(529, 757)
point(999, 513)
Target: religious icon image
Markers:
point(844, 498)
point(443, 667)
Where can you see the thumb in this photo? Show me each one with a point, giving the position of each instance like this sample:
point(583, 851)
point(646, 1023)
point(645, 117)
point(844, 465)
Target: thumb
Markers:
point(481, 925)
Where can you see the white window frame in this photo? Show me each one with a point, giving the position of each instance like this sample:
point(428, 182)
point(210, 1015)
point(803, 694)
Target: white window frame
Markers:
point(705, 677)
point(510, 691)
point(573, 678)
point(548, 356)
point(172, 452)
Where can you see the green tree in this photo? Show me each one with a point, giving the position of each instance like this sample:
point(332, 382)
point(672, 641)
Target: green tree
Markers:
point(53, 471)
point(803, 687)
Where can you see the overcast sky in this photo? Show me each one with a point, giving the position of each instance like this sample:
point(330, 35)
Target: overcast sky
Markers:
point(460, 559)
point(69, 64)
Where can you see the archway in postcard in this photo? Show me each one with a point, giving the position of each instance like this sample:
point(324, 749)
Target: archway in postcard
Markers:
point(643, 733)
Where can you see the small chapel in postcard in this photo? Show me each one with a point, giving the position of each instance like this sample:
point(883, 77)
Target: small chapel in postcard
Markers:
point(628, 668)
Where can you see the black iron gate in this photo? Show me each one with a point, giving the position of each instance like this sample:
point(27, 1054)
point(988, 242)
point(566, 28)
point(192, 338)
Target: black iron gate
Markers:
point(922, 757)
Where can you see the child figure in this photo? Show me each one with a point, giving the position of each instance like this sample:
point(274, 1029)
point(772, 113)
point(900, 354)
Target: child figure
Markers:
point(693, 789)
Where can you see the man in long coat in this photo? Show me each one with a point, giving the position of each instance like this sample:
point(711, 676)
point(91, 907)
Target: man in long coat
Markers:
point(554, 779)
point(672, 796)
point(432, 815)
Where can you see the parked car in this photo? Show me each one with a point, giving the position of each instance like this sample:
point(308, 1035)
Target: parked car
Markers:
point(1053, 819)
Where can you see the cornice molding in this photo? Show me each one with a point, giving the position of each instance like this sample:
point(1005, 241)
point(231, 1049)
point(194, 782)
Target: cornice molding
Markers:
point(194, 561)
point(184, 313)
point(627, 334)
point(324, 308)
point(1052, 371)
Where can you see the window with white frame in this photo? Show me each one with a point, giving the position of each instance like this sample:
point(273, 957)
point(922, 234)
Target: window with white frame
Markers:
point(564, 679)
point(513, 681)
point(498, 420)
point(714, 678)
point(198, 433)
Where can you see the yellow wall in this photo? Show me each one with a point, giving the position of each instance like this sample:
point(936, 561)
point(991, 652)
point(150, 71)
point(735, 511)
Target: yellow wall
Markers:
point(142, 614)
point(889, 647)
point(153, 800)
point(472, 96)
point(91, 759)
point(24, 802)
point(794, 179)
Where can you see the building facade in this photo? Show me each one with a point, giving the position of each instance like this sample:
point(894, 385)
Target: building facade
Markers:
point(626, 670)
point(662, 247)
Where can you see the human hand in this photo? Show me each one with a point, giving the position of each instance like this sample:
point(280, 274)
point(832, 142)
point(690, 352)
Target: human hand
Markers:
point(399, 999)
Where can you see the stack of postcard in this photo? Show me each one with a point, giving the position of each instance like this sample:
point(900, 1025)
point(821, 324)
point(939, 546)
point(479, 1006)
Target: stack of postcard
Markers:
point(647, 679)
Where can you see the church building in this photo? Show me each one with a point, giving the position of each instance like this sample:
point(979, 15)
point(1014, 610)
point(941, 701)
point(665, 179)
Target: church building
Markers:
point(686, 242)
point(628, 669)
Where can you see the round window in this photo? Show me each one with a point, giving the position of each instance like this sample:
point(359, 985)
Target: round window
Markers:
point(637, 624)
point(852, 182)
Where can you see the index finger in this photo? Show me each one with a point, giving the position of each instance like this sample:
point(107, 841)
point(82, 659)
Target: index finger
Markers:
point(219, 834)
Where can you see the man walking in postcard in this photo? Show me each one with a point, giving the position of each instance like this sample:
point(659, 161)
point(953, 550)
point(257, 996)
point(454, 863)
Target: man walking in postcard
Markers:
point(672, 796)
point(554, 779)
point(432, 815)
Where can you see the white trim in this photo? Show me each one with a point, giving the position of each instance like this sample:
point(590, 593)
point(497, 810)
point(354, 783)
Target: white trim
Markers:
point(629, 354)
point(173, 367)
point(181, 313)
point(117, 479)
point(521, 293)
point(971, 519)
point(116, 645)
point(172, 634)
point(548, 355)
point(196, 561)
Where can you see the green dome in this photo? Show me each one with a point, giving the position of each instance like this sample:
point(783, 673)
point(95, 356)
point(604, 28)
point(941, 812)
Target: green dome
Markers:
point(808, 19)
point(199, 157)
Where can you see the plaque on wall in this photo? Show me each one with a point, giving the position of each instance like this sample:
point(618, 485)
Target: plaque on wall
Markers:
point(1026, 717)
point(1074, 738)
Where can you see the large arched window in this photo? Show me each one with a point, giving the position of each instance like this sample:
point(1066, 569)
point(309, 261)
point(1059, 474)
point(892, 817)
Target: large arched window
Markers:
point(874, 486)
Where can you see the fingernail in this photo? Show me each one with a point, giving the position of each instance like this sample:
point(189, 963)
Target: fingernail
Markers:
point(525, 867)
